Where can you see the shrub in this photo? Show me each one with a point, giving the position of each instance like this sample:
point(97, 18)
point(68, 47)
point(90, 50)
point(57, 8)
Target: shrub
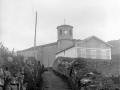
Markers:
point(33, 71)
point(65, 66)
point(14, 66)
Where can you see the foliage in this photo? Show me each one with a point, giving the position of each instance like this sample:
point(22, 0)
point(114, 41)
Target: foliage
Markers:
point(116, 80)
point(106, 67)
point(76, 68)
point(115, 57)
point(33, 71)
point(10, 66)
point(27, 71)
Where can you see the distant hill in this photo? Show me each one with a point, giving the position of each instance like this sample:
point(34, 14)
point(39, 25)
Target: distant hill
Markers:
point(116, 46)
point(115, 50)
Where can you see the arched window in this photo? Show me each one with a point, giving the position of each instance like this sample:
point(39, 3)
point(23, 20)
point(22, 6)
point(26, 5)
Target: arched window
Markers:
point(70, 32)
point(60, 32)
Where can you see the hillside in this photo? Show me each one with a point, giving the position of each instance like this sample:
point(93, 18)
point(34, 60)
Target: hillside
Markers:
point(115, 51)
point(116, 46)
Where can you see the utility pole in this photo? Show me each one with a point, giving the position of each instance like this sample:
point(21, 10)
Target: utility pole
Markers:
point(48, 61)
point(35, 35)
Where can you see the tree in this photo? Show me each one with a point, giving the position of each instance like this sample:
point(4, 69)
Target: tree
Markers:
point(33, 71)
point(10, 65)
point(24, 70)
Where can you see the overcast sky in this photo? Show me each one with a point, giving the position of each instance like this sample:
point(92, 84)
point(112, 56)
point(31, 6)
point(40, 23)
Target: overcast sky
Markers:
point(88, 17)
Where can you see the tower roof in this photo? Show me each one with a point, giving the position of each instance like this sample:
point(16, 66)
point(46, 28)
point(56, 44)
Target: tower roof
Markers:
point(64, 26)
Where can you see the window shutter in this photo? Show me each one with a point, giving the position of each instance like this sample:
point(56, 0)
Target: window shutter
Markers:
point(83, 53)
point(103, 54)
point(60, 32)
point(70, 32)
point(93, 53)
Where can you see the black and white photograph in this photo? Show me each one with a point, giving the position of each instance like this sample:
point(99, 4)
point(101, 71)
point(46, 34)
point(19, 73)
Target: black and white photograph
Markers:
point(59, 44)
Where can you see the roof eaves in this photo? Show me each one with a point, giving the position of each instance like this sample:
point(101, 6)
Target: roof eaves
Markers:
point(65, 48)
point(96, 38)
point(102, 41)
point(64, 25)
point(32, 48)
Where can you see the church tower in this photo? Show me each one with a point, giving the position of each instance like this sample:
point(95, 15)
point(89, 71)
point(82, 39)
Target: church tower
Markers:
point(65, 36)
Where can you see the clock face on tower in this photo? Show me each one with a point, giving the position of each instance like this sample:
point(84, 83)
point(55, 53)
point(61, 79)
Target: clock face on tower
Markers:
point(65, 32)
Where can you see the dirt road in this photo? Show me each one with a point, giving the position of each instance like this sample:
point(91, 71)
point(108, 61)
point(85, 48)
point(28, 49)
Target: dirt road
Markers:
point(53, 82)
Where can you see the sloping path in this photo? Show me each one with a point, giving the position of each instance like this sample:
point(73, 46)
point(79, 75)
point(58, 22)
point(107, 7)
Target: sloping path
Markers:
point(53, 82)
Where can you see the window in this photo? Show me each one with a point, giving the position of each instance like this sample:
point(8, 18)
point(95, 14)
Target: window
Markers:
point(82, 43)
point(103, 45)
point(70, 32)
point(93, 44)
point(83, 53)
point(78, 52)
point(93, 53)
point(108, 54)
point(60, 32)
point(103, 54)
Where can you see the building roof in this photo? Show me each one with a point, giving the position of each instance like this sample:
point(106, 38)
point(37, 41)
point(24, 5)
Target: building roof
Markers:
point(54, 43)
point(64, 26)
point(66, 48)
point(83, 41)
point(96, 38)
point(32, 48)
point(74, 42)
